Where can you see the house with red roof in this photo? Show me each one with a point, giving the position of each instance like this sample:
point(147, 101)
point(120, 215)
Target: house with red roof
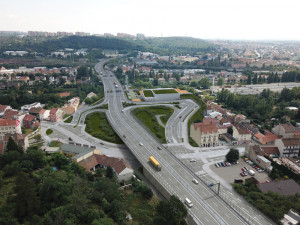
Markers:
point(56, 115)
point(10, 114)
point(205, 134)
point(3, 108)
point(8, 126)
point(265, 139)
point(20, 139)
point(120, 166)
point(257, 153)
point(30, 122)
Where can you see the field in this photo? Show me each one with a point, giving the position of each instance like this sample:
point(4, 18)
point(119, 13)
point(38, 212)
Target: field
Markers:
point(147, 116)
point(97, 125)
point(165, 91)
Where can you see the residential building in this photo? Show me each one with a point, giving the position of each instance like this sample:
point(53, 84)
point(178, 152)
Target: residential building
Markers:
point(205, 135)
point(288, 147)
point(172, 80)
point(10, 114)
point(20, 139)
point(286, 131)
point(78, 152)
point(257, 153)
point(35, 111)
point(283, 187)
point(9, 126)
point(91, 94)
point(265, 139)
point(3, 108)
point(183, 80)
point(44, 114)
point(120, 166)
point(228, 138)
point(30, 121)
point(26, 108)
point(161, 81)
point(241, 134)
point(68, 110)
point(56, 115)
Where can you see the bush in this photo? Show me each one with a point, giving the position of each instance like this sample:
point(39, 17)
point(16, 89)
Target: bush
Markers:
point(49, 131)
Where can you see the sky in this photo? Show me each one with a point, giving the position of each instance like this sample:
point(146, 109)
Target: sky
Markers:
point(209, 19)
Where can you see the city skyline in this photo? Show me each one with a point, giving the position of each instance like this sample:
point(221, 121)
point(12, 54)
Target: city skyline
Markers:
point(255, 20)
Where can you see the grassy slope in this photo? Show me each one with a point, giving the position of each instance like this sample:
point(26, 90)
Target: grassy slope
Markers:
point(147, 116)
point(97, 125)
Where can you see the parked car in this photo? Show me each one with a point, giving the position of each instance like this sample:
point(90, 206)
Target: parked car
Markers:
point(246, 168)
point(193, 160)
point(245, 174)
point(141, 144)
point(243, 169)
point(242, 174)
point(217, 165)
point(229, 164)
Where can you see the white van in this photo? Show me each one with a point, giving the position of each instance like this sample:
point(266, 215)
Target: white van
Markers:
point(188, 203)
point(251, 172)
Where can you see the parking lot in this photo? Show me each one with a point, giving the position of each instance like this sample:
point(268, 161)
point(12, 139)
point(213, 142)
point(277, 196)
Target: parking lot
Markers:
point(230, 173)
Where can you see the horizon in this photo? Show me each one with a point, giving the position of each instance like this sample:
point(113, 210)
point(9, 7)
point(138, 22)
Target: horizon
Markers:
point(230, 20)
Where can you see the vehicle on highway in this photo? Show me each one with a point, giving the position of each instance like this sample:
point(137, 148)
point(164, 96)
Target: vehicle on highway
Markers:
point(155, 163)
point(141, 144)
point(193, 160)
point(195, 181)
point(101, 143)
point(124, 136)
point(159, 148)
point(188, 202)
point(180, 117)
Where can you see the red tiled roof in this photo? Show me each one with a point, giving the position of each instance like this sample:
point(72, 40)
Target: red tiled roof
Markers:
point(28, 117)
point(3, 107)
point(208, 120)
point(53, 110)
point(64, 94)
point(35, 110)
point(241, 129)
point(291, 142)
point(42, 111)
point(9, 114)
point(7, 122)
point(68, 110)
point(270, 150)
point(117, 164)
point(206, 128)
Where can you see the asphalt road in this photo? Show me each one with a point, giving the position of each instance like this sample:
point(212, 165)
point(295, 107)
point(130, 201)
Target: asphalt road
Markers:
point(175, 176)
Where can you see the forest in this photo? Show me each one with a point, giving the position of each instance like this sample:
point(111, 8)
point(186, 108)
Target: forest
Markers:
point(46, 189)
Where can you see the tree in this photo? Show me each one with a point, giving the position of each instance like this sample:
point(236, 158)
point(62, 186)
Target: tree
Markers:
point(193, 84)
point(233, 155)
point(38, 137)
point(173, 212)
point(204, 83)
point(220, 81)
point(109, 172)
point(12, 146)
point(230, 130)
point(249, 79)
point(27, 202)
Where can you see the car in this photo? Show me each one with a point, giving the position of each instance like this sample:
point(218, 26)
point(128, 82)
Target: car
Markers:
point(260, 170)
point(217, 165)
point(242, 174)
point(235, 162)
point(229, 164)
point(124, 136)
point(159, 148)
point(101, 143)
point(180, 117)
point(223, 164)
point(245, 174)
point(195, 181)
point(122, 110)
point(141, 144)
point(246, 168)
point(193, 160)
point(226, 163)
point(243, 169)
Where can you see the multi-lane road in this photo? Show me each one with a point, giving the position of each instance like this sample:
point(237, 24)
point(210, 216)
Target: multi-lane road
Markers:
point(175, 177)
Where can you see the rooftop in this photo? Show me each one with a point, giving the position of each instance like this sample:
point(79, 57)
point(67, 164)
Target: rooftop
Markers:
point(283, 187)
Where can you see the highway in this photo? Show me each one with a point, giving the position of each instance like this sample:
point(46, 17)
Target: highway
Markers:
point(175, 177)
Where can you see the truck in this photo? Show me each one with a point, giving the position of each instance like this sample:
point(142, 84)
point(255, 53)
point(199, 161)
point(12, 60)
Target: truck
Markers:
point(155, 163)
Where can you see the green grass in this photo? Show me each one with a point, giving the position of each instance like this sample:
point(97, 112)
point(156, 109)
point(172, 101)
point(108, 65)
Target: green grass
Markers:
point(147, 116)
point(69, 120)
point(98, 126)
point(165, 91)
point(148, 93)
point(49, 131)
point(125, 104)
point(55, 144)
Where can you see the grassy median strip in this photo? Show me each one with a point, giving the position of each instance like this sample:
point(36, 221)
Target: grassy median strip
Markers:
point(97, 125)
point(147, 116)
point(69, 120)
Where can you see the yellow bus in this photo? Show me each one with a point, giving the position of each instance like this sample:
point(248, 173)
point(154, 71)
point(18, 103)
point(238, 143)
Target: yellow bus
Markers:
point(155, 163)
